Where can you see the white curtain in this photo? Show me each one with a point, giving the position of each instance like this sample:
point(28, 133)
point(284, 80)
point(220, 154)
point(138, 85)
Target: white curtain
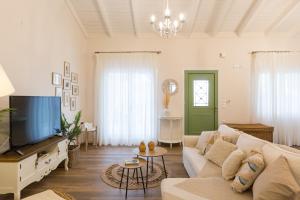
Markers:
point(276, 94)
point(126, 98)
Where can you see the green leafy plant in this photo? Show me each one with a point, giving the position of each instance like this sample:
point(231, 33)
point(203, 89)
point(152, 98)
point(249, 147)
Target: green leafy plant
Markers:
point(71, 130)
point(4, 111)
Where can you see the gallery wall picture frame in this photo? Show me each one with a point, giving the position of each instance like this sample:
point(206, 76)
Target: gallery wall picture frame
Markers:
point(56, 78)
point(67, 69)
point(73, 103)
point(58, 91)
point(75, 90)
point(67, 84)
point(74, 77)
point(66, 98)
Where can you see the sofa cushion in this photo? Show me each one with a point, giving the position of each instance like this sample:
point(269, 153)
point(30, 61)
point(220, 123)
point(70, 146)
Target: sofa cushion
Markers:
point(276, 182)
point(228, 132)
point(248, 172)
point(204, 139)
point(272, 152)
point(247, 143)
point(232, 164)
point(219, 151)
point(197, 165)
point(213, 188)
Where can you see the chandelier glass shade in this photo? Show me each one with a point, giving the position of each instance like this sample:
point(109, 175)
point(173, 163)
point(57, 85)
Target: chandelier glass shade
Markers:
point(167, 27)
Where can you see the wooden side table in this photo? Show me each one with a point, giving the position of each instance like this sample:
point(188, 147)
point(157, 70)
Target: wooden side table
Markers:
point(135, 169)
point(158, 152)
point(257, 130)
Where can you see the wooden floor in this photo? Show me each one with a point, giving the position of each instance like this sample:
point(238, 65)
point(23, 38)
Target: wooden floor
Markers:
point(84, 183)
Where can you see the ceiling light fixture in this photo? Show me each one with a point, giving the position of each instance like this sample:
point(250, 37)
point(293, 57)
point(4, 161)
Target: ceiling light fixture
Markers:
point(167, 27)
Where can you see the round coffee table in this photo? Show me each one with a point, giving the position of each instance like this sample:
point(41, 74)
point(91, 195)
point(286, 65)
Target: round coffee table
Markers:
point(157, 152)
point(135, 168)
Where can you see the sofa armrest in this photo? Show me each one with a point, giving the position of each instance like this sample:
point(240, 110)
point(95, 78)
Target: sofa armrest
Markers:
point(190, 140)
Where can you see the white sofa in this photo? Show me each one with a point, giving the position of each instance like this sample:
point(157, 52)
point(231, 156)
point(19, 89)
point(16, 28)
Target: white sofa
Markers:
point(206, 181)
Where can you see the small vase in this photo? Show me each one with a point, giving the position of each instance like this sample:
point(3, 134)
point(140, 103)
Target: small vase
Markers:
point(142, 147)
point(151, 146)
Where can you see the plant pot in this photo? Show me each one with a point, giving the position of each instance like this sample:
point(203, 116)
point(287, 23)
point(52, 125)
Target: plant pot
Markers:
point(73, 153)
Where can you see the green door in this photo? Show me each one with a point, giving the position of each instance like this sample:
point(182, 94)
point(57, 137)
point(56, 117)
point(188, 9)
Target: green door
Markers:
point(200, 101)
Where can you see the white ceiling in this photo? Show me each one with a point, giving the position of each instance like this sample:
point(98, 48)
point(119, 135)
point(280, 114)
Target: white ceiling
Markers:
point(203, 17)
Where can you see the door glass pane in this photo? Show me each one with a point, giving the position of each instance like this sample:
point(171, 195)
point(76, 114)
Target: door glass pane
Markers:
point(201, 92)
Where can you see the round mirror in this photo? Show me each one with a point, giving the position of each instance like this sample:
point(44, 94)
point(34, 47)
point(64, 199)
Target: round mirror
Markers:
point(170, 86)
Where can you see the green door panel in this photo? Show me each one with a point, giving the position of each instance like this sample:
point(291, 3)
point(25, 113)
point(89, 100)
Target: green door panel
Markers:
point(200, 102)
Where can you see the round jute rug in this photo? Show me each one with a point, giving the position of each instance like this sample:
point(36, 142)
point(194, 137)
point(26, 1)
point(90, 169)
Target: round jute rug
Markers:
point(112, 177)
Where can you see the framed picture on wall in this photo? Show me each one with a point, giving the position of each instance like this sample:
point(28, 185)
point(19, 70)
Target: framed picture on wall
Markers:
point(67, 69)
point(74, 77)
point(56, 78)
point(58, 91)
point(66, 98)
point(75, 90)
point(67, 84)
point(73, 103)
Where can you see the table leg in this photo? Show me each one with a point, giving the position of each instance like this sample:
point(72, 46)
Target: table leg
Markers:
point(137, 175)
point(133, 173)
point(162, 157)
point(152, 164)
point(86, 141)
point(147, 172)
point(127, 183)
point(142, 180)
point(121, 178)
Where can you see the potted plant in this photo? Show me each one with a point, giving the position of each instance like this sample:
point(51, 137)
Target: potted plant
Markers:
point(72, 131)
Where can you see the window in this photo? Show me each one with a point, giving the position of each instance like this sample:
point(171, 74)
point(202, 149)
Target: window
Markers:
point(201, 92)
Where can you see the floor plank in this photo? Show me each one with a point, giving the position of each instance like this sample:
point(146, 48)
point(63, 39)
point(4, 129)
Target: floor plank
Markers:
point(84, 183)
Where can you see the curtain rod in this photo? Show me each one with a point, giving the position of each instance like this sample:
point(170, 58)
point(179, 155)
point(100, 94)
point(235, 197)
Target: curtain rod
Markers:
point(157, 52)
point(254, 52)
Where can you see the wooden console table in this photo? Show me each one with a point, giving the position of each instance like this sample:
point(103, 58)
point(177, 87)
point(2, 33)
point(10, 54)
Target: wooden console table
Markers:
point(170, 130)
point(257, 130)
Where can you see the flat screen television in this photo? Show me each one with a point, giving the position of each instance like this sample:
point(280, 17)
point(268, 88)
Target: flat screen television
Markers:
point(34, 119)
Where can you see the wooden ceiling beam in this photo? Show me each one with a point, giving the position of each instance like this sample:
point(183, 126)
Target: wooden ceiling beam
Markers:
point(283, 16)
point(104, 19)
point(195, 17)
point(249, 16)
point(133, 18)
point(220, 12)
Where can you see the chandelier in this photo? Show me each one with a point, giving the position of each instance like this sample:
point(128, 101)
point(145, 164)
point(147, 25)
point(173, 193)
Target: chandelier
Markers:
point(167, 27)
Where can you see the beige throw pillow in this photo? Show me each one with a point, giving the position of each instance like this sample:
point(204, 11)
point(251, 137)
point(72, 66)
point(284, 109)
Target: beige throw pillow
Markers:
point(204, 140)
point(276, 182)
point(232, 164)
point(219, 151)
point(248, 172)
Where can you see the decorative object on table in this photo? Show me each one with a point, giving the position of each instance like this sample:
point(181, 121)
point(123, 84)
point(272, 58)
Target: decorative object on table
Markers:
point(72, 131)
point(89, 128)
point(131, 162)
point(151, 146)
point(74, 77)
point(50, 194)
point(66, 98)
point(75, 90)
point(67, 69)
point(72, 103)
point(167, 27)
point(158, 152)
point(170, 130)
point(67, 84)
point(112, 176)
point(58, 91)
point(142, 147)
point(56, 79)
point(169, 88)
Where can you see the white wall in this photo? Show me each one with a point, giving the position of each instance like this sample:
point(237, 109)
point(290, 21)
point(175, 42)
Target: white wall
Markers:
point(36, 37)
point(182, 54)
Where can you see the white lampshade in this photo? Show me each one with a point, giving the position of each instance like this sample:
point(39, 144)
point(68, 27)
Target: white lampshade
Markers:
point(6, 87)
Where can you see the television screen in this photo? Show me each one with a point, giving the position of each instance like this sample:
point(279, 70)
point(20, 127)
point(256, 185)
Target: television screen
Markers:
point(34, 119)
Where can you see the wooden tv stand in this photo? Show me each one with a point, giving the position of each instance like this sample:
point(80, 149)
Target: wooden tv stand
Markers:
point(18, 171)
